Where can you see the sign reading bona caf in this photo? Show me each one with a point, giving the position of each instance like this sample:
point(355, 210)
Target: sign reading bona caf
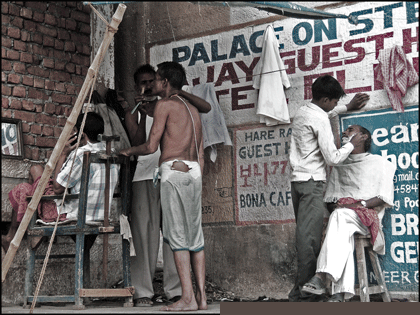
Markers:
point(262, 175)
point(309, 48)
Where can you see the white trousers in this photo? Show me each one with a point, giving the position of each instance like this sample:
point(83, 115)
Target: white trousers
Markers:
point(336, 255)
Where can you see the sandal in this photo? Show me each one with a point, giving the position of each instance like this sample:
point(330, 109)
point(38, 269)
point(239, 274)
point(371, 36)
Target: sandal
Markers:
point(314, 286)
point(143, 302)
point(338, 297)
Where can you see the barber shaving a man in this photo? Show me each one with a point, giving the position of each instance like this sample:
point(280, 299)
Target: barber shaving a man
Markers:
point(358, 192)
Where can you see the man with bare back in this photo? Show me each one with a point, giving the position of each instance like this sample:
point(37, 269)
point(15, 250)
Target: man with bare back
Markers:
point(177, 129)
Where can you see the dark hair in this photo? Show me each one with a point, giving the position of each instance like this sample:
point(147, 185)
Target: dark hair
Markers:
point(368, 141)
point(111, 99)
point(94, 125)
point(143, 69)
point(327, 86)
point(96, 98)
point(173, 72)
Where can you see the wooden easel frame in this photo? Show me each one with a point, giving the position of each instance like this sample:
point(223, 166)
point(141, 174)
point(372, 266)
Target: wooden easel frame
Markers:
point(71, 121)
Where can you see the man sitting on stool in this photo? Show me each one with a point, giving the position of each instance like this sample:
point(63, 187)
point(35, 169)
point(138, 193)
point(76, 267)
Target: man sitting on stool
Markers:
point(358, 191)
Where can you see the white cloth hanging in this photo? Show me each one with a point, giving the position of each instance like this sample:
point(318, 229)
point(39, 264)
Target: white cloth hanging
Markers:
point(269, 78)
point(213, 123)
point(125, 232)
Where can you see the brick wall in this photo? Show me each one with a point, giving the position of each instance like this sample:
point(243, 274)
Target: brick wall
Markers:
point(45, 57)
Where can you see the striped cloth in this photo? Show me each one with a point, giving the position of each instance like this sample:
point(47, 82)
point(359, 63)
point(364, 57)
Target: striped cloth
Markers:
point(96, 190)
point(369, 217)
point(397, 74)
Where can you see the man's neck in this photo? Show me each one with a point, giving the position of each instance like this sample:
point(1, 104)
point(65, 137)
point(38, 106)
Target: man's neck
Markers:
point(169, 92)
point(358, 151)
point(318, 103)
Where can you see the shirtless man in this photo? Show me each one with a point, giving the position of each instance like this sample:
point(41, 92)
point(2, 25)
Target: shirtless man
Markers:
point(177, 128)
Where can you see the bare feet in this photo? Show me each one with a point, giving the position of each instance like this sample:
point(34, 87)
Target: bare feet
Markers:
point(201, 301)
point(181, 305)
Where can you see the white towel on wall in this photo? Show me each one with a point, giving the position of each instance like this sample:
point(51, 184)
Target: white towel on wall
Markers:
point(213, 122)
point(269, 78)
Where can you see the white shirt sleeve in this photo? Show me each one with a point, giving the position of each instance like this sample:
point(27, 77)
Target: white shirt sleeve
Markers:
point(331, 154)
point(339, 109)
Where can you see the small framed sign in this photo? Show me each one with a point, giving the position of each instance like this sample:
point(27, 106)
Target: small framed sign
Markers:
point(11, 138)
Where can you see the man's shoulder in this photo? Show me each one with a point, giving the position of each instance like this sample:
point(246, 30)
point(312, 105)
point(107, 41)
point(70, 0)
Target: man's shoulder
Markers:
point(164, 105)
point(310, 110)
point(91, 147)
point(309, 116)
point(379, 161)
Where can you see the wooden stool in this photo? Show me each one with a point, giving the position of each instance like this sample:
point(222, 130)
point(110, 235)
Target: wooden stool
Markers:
point(363, 289)
point(84, 236)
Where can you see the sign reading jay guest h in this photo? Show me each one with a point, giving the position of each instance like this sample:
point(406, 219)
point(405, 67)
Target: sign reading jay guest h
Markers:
point(395, 137)
point(262, 175)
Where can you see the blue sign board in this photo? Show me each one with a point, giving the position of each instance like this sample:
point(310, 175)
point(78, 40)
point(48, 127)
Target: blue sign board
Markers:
point(395, 136)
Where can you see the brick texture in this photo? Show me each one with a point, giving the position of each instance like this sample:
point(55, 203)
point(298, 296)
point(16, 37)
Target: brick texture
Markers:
point(45, 57)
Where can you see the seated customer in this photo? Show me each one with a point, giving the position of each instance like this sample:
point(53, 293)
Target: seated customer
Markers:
point(358, 191)
point(47, 209)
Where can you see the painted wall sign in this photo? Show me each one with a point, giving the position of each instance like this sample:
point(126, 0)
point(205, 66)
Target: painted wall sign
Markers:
point(396, 137)
point(309, 48)
point(262, 175)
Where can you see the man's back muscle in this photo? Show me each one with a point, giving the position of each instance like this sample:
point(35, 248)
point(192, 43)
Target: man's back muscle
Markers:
point(178, 141)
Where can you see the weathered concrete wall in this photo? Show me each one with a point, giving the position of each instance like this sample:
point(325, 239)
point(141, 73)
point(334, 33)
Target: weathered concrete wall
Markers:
point(249, 243)
point(248, 186)
point(251, 261)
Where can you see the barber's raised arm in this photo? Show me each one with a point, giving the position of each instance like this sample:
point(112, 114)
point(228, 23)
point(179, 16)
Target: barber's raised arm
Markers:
point(136, 131)
point(358, 102)
point(201, 105)
point(152, 144)
point(331, 154)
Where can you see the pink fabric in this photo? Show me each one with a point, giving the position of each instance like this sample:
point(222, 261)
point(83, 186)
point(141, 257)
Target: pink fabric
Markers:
point(369, 217)
point(47, 209)
point(397, 74)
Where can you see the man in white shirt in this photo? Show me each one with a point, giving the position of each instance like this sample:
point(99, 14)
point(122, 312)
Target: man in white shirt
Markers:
point(312, 148)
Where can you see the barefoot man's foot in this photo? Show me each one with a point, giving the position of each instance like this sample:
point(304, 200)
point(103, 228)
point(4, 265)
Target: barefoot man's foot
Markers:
point(181, 305)
point(202, 302)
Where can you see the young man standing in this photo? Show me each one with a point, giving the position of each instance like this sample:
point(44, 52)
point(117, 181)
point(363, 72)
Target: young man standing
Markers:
point(177, 130)
point(312, 148)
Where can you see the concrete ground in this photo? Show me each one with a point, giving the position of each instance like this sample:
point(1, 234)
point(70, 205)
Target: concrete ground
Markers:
point(116, 307)
point(100, 308)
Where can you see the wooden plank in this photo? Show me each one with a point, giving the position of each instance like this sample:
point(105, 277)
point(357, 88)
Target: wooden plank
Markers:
point(54, 298)
point(362, 270)
point(106, 292)
point(68, 230)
